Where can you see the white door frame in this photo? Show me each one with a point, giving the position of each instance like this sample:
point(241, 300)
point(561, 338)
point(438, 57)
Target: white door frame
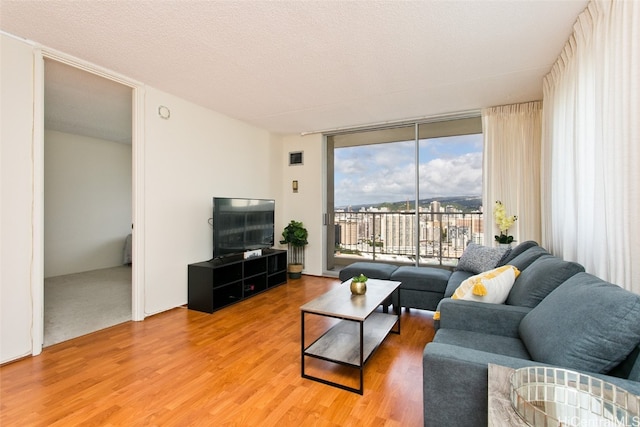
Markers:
point(137, 146)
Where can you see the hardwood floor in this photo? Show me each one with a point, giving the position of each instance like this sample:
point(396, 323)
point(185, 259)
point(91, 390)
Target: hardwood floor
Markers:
point(237, 367)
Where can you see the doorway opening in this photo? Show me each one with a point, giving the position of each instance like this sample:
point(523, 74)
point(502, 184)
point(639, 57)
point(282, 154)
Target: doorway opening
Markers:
point(88, 188)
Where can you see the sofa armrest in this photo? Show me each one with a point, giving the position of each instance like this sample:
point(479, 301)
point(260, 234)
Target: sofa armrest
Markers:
point(455, 383)
point(495, 319)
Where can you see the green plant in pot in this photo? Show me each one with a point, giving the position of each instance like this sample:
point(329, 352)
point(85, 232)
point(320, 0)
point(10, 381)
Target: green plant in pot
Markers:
point(295, 236)
point(359, 285)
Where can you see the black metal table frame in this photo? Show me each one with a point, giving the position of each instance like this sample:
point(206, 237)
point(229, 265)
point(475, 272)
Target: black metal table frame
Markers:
point(362, 363)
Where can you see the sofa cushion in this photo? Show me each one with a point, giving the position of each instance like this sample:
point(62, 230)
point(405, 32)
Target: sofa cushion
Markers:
point(422, 278)
point(586, 324)
point(457, 277)
point(477, 258)
point(373, 270)
point(497, 344)
point(526, 258)
point(540, 278)
point(492, 286)
point(514, 252)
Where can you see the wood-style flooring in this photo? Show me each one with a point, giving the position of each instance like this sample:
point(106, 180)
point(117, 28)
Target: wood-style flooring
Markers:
point(239, 366)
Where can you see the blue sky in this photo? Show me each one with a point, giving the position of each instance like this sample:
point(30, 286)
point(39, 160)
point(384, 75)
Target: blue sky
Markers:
point(449, 166)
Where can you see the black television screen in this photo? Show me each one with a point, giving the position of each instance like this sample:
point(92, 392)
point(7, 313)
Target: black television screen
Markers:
point(241, 225)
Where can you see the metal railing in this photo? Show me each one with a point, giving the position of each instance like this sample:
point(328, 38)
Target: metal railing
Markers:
point(391, 236)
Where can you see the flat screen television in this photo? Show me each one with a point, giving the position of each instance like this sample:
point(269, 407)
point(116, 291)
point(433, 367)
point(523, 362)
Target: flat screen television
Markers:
point(241, 225)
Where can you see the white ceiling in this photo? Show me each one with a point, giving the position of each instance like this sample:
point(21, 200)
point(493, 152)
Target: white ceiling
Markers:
point(82, 103)
point(296, 66)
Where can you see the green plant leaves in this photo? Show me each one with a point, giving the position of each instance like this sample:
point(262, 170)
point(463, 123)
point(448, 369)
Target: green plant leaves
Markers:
point(295, 234)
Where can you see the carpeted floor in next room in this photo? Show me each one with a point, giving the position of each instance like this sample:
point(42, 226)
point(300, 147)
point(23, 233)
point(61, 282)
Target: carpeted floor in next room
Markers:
point(81, 303)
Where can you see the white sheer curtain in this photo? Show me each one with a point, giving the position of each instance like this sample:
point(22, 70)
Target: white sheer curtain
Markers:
point(512, 138)
point(591, 145)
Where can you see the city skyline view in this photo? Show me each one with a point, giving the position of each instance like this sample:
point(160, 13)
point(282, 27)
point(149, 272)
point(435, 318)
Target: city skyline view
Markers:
point(379, 173)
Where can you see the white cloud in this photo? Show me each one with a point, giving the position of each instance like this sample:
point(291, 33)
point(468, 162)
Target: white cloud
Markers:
point(387, 174)
point(452, 177)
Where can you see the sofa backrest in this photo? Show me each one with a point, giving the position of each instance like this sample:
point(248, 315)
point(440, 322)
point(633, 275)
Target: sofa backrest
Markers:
point(586, 324)
point(456, 278)
point(514, 252)
point(540, 278)
point(526, 258)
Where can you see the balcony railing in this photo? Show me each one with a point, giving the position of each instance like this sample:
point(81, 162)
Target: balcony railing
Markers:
point(391, 236)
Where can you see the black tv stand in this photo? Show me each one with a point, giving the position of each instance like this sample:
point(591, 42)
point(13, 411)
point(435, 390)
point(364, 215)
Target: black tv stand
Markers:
point(219, 282)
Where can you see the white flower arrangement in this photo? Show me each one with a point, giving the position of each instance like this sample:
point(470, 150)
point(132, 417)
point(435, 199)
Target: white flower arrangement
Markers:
point(504, 222)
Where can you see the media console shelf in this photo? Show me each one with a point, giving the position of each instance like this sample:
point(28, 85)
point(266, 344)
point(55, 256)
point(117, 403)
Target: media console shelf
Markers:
point(217, 283)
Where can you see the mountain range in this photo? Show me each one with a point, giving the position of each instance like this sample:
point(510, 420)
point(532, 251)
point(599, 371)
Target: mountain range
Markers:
point(462, 203)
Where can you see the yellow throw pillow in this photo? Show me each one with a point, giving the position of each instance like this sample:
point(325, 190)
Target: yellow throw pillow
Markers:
point(492, 286)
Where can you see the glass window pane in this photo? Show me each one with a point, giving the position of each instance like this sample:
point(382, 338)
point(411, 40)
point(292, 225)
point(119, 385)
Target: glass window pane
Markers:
point(374, 195)
point(450, 180)
point(372, 177)
point(375, 175)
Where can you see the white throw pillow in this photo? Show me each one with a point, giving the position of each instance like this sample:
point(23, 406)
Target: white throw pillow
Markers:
point(492, 286)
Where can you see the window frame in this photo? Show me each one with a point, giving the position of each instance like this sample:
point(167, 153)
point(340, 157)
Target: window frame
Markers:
point(406, 131)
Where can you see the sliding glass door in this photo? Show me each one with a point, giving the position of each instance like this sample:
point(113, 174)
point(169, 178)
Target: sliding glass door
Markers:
point(408, 195)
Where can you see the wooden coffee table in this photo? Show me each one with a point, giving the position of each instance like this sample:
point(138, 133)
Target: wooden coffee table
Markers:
point(357, 335)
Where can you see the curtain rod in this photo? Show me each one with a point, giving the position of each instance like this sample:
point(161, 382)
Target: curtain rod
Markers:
point(396, 123)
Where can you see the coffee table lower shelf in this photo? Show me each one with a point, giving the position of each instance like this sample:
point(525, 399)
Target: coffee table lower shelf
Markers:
point(349, 343)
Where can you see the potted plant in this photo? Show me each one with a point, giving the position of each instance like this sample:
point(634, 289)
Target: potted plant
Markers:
point(295, 236)
point(359, 284)
point(504, 222)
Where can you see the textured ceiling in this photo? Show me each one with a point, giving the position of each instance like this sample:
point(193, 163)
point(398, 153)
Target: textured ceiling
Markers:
point(295, 66)
point(82, 103)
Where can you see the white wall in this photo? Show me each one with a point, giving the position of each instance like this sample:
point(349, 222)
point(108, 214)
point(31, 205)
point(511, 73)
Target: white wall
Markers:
point(16, 188)
point(87, 203)
point(307, 204)
point(193, 156)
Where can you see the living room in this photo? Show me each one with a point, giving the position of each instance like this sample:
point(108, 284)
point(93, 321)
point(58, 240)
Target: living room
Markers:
point(179, 164)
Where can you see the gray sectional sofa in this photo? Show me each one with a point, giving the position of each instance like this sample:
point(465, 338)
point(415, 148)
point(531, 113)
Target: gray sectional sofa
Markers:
point(555, 315)
point(425, 287)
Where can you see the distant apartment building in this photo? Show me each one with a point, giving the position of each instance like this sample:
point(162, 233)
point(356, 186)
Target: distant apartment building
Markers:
point(443, 231)
point(397, 233)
